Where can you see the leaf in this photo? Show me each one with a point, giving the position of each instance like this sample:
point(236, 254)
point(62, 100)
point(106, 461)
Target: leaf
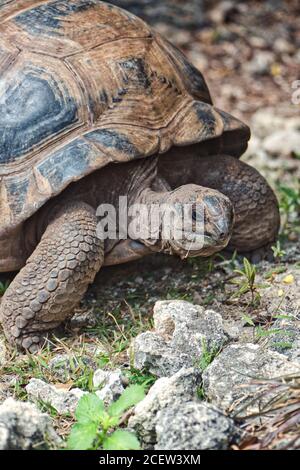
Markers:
point(82, 436)
point(248, 320)
point(289, 279)
point(130, 397)
point(121, 440)
point(90, 409)
point(238, 271)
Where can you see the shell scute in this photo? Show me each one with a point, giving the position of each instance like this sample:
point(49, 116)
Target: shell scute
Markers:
point(62, 28)
point(32, 108)
point(124, 143)
point(69, 163)
point(114, 141)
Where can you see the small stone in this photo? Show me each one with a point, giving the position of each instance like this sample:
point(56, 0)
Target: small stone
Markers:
point(282, 46)
point(229, 381)
point(152, 353)
point(26, 343)
point(268, 121)
point(64, 402)
point(167, 391)
point(82, 319)
point(24, 427)
point(182, 332)
point(195, 426)
point(111, 384)
point(223, 11)
point(2, 351)
point(286, 338)
point(283, 143)
point(260, 63)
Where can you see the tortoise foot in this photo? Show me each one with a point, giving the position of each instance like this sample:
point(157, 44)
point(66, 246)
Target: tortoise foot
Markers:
point(55, 278)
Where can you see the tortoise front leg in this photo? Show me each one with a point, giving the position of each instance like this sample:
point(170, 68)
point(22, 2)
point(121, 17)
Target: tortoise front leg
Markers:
point(54, 279)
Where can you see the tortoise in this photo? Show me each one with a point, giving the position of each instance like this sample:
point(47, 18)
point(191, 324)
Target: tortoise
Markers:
point(96, 105)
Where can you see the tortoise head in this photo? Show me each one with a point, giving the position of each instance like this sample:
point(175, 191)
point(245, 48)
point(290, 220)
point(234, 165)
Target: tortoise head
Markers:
point(195, 221)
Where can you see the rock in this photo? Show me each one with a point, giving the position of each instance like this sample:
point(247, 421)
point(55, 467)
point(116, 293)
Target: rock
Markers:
point(63, 401)
point(260, 63)
point(257, 42)
point(2, 351)
point(268, 121)
point(282, 46)
point(63, 365)
point(195, 426)
point(152, 353)
point(223, 12)
point(167, 391)
point(284, 143)
point(23, 427)
point(82, 319)
point(111, 383)
point(182, 332)
point(286, 338)
point(229, 381)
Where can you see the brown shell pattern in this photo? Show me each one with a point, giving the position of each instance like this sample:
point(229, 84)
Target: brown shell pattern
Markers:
point(84, 83)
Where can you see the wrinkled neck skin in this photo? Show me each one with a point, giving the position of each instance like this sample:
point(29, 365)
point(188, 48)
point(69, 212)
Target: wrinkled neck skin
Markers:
point(104, 186)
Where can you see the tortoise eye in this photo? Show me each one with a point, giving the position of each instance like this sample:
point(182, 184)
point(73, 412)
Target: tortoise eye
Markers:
point(213, 204)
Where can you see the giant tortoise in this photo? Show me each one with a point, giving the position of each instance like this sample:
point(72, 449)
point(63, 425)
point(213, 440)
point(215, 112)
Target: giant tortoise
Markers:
point(96, 105)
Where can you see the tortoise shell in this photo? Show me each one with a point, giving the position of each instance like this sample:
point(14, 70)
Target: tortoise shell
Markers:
point(83, 84)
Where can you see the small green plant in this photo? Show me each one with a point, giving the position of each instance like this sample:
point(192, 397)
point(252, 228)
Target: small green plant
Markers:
point(3, 287)
point(201, 393)
point(140, 377)
point(248, 320)
point(97, 427)
point(289, 199)
point(246, 282)
point(289, 203)
point(261, 332)
point(273, 272)
point(278, 251)
point(207, 355)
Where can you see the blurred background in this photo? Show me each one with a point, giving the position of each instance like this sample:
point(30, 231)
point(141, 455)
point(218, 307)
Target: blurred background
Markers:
point(249, 52)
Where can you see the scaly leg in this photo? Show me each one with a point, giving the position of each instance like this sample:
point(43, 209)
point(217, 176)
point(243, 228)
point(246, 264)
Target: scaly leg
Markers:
point(54, 279)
